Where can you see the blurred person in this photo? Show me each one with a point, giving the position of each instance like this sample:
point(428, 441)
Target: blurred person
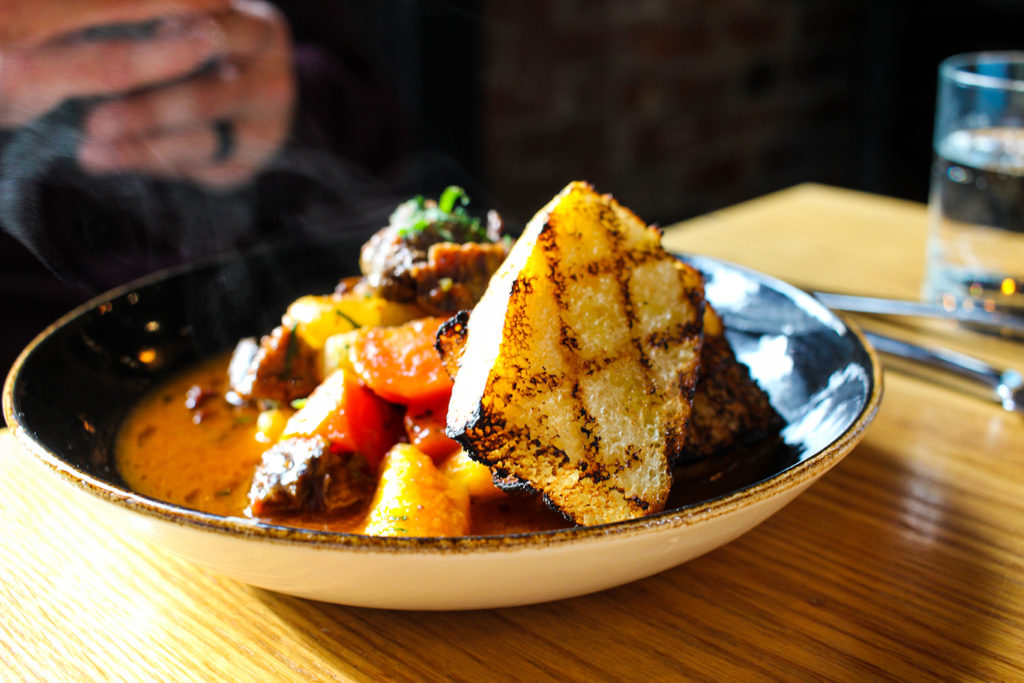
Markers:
point(134, 136)
point(203, 91)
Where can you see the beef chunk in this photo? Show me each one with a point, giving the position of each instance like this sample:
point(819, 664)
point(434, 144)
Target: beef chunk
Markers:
point(241, 360)
point(197, 395)
point(302, 474)
point(282, 368)
point(439, 260)
point(454, 276)
point(197, 400)
point(729, 409)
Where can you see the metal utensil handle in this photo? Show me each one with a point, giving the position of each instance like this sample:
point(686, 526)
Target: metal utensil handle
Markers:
point(956, 369)
point(999, 323)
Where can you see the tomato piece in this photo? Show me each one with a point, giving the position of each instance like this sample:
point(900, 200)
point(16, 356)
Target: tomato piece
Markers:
point(401, 363)
point(349, 416)
point(424, 425)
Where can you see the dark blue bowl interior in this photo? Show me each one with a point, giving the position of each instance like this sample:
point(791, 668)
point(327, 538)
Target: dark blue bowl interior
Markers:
point(71, 390)
point(75, 385)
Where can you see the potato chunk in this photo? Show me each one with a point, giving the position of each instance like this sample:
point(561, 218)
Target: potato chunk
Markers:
point(414, 498)
point(580, 361)
point(319, 317)
point(475, 477)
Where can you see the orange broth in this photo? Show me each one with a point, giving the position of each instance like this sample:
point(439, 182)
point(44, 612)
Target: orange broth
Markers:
point(207, 465)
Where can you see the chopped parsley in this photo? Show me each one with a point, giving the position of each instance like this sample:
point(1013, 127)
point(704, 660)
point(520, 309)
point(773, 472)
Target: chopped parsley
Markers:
point(398, 518)
point(451, 195)
point(290, 352)
point(265, 404)
point(347, 318)
point(447, 213)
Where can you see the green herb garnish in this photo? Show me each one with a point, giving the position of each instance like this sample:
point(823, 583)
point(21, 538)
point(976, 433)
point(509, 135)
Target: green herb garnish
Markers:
point(417, 214)
point(452, 194)
point(265, 404)
point(289, 352)
point(347, 318)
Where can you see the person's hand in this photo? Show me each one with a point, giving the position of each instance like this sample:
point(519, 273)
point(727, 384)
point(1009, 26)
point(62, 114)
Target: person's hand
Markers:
point(218, 127)
point(51, 52)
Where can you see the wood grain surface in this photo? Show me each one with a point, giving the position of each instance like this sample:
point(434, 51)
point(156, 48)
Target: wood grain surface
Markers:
point(904, 562)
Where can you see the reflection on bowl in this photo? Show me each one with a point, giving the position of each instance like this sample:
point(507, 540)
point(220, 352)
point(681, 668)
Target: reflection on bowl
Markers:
point(67, 394)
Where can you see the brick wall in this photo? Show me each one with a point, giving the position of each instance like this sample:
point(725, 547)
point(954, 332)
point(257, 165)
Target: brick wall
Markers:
point(676, 107)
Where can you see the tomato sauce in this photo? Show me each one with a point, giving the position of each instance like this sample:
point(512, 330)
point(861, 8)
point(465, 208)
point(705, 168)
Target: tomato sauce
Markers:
point(204, 458)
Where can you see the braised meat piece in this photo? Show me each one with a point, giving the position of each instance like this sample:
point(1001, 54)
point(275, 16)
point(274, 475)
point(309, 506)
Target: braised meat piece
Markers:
point(197, 400)
point(434, 254)
point(302, 474)
point(456, 275)
point(281, 368)
point(729, 408)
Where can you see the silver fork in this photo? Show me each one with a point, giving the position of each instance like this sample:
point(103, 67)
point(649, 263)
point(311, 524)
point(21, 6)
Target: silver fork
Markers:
point(954, 369)
point(993, 322)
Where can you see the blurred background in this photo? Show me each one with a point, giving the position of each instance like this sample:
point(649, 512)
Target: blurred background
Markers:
point(677, 107)
point(681, 107)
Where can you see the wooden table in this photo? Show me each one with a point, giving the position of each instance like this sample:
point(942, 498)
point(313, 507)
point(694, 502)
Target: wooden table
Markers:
point(906, 561)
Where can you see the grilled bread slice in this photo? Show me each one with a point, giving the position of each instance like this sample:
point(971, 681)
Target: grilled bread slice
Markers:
point(580, 361)
point(729, 408)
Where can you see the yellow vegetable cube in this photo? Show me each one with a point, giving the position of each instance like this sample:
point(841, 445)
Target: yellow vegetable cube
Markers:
point(270, 424)
point(318, 317)
point(336, 353)
point(414, 498)
point(475, 477)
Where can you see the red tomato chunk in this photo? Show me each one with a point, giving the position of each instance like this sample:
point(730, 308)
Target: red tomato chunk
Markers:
point(349, 416)
point(425, 423)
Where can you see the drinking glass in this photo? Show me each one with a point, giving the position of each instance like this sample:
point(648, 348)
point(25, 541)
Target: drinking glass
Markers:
point(976, 203)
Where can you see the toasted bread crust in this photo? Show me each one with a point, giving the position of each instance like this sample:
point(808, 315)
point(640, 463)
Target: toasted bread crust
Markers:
point(451, 341)
point(581, 361)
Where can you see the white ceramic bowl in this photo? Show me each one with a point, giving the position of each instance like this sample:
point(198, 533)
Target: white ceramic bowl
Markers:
point(68, 391)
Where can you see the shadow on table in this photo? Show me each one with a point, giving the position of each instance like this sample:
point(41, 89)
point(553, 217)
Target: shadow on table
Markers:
point(852, 576)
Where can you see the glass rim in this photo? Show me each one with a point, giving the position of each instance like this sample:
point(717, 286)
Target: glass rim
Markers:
point(955, 69)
